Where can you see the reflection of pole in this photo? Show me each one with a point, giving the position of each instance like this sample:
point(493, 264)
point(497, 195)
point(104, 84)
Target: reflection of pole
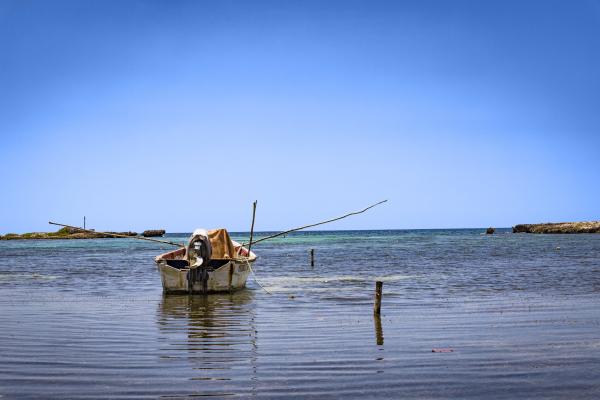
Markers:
point(312, 257)
point(378, 329)
point(254, 358)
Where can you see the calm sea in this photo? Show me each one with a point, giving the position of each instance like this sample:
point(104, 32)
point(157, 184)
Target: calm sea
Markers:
point(518, 316)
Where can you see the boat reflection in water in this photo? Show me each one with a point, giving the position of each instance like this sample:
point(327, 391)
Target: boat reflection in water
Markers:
point(208, 344)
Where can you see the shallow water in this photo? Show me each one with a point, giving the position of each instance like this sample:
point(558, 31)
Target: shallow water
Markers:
point(87, 319)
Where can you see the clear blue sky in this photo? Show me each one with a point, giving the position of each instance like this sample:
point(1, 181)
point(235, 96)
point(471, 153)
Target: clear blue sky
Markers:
point(176, 115)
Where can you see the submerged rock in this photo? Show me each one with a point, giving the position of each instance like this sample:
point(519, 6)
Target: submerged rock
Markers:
point(559, 227)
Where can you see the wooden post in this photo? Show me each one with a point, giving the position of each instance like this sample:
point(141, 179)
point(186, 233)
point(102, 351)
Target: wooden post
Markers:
point(252, 226)
point(312, 257)
point(378, 295)
point(84, 222)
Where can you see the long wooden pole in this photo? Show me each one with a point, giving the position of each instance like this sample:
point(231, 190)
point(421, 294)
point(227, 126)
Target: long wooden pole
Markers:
point(118, 235)
point(318, 223)
point(252, 226)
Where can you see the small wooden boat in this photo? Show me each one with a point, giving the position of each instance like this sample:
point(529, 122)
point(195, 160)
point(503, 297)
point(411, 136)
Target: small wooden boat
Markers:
point(211, 262)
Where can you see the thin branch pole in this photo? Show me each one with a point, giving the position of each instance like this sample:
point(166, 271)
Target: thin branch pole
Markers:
point(118, 235)
point(318, 223)
point(252, 226)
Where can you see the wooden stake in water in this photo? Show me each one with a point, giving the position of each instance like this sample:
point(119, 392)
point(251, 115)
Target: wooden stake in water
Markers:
point(252, 226)
point(312, 257)
point(378, 295)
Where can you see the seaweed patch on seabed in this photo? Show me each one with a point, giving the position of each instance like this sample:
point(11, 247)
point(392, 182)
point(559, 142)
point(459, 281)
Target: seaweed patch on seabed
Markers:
point(340, 282)
point(25, 276)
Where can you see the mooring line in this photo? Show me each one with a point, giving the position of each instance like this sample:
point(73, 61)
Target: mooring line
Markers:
point(254, 275)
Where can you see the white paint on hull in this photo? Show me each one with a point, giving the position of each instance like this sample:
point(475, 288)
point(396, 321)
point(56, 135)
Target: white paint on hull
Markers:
point(229, 277)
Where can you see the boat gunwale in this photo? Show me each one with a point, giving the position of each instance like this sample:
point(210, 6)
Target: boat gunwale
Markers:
point(237, 245)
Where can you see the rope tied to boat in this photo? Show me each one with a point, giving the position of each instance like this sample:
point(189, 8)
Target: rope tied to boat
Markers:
point(246, 260)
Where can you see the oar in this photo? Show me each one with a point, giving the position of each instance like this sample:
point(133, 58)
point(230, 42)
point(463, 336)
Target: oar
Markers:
point(119, 235)
point(318, 223)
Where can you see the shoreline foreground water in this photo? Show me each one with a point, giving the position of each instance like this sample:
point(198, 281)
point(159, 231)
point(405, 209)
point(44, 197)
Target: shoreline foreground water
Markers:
point(88, 319)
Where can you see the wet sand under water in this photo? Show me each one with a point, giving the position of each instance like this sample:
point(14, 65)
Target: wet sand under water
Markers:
point(89, 320)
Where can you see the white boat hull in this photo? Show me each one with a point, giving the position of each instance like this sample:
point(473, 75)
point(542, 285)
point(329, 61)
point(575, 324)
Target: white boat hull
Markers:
point(229, 277)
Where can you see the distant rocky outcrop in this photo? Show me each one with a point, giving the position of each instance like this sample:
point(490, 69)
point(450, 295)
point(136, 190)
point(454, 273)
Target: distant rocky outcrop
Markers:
point(490, 231)
point(64, 233)
point(559, 227)
point(153, 232)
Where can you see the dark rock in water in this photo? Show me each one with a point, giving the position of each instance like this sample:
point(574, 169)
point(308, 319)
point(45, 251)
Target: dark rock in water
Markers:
point(490, 230)
point(153, 232)
point(559, 227)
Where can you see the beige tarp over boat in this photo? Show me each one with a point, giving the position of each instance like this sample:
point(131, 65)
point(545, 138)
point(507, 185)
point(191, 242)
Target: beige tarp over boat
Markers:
point(222, 246)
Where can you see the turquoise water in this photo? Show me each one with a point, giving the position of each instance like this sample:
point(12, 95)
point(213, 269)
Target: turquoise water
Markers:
point(87, 319)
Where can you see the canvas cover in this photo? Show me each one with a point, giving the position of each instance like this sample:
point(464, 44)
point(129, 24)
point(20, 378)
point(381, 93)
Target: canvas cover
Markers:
point(222, 246)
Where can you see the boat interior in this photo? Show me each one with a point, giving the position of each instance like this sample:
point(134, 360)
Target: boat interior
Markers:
point(183, 264)
point(223, 251)
point(176, 259)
